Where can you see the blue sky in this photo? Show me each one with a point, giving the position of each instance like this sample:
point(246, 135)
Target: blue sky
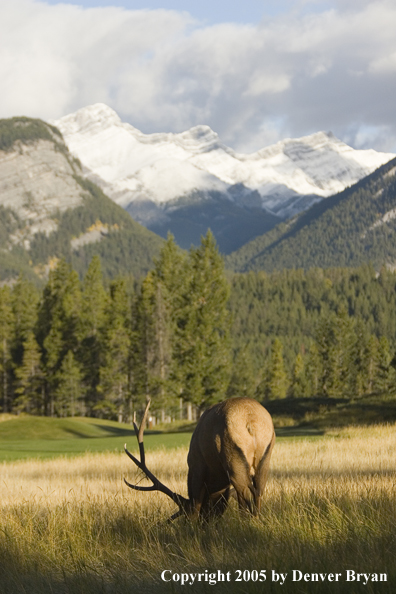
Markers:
point(256, 72)
point(208, 11)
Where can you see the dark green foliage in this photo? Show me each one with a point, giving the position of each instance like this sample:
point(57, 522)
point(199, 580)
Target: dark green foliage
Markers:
point(155, 325)
point(334, 313)
point(275, 382)
point(29, 378)
point(115, 371)
point(243, 378)
point(202, 345)
point(58, 328)
point(90, 328)
point(84, 348)
point(183, 327)
point(6, 335)
point(26, 130)
point(344, 230)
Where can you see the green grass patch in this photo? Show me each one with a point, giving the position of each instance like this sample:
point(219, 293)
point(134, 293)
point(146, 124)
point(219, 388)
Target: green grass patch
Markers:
point(42, 437)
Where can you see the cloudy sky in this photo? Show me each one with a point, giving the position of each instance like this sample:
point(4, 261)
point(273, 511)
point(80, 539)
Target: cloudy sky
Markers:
point(255, 71)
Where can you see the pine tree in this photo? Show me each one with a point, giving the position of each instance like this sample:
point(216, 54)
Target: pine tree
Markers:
point(155, 321)
point(169, 283)
point(68, 389)
point(25, 300)
point(91, 322)
point(276, 382)
point(202, 347)
point(299, 385)
point(314, 371)
point(115, 368)
point(29, 385)
point(335, 338)
point(243, 380)
point(7, 330)
point(58, 321)
point(367, 363)
point(385, 376)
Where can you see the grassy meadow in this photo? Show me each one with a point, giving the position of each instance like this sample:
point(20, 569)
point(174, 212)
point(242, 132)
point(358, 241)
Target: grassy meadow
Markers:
point(70, 525)
point(26, 436)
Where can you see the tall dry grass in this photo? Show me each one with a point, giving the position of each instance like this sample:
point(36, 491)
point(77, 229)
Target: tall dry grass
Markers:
point(71, 525)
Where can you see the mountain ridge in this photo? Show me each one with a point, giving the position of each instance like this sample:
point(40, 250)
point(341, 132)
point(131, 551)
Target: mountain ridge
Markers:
point(161, 178)
point(349, 229)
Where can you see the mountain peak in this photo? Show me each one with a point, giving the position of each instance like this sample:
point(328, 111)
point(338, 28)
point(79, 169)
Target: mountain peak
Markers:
point(199, 139)
point(88, 118)
point(166, 169)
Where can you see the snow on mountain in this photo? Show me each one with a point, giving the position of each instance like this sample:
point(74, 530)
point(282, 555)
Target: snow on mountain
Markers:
point(149, 174)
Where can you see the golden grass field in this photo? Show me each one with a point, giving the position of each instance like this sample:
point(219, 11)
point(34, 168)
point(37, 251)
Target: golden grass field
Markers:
point(72, 526)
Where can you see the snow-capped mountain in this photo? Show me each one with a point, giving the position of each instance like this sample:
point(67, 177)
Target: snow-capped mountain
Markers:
point(157, 176)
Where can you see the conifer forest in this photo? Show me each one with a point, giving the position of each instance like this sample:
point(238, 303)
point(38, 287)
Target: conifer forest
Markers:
point(189, 333)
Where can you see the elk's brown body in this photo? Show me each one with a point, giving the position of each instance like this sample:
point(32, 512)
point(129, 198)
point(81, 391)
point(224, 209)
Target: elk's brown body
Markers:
point(230, 447)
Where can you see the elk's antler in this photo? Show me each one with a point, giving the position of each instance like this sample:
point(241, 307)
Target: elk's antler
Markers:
point(179, 500)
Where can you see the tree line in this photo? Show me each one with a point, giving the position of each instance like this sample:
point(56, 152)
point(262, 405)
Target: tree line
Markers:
point(189, 333)
point(90, 348)
point(321, 332)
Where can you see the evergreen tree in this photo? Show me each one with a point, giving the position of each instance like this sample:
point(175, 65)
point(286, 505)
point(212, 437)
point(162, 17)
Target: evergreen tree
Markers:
point(59, 319)
point(115, 369)
point(6, 336)
point(29, 376)
point(91, 322)
point(385, 376)
point(299, 385)
point(276, 382)
point(156, 322)
point(68, 388)
point(335, 342)
point(367, 364)
point(25, 300)
point(202, 347)
point(314, 371)
point(243, 380)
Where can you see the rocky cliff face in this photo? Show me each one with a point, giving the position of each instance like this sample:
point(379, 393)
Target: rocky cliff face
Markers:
point(37, 183)
point(50, 210)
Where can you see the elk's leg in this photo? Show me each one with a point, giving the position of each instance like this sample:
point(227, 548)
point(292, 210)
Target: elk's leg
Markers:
point(218, 502)
point(197, 492)
point(242, 480)
point(261, 476)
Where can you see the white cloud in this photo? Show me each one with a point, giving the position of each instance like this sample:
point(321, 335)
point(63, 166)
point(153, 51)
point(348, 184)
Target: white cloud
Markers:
point(290, 75)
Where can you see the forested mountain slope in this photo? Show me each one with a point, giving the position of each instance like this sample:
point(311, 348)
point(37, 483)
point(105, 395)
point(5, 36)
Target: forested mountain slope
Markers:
point(351, 228)
point(48, 211)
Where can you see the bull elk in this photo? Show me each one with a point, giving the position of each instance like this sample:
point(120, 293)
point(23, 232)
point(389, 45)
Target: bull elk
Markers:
point(230, 447)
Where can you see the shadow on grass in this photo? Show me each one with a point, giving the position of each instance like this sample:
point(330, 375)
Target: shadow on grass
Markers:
point(109, 429)
point(310, 561)
point(298, 432)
